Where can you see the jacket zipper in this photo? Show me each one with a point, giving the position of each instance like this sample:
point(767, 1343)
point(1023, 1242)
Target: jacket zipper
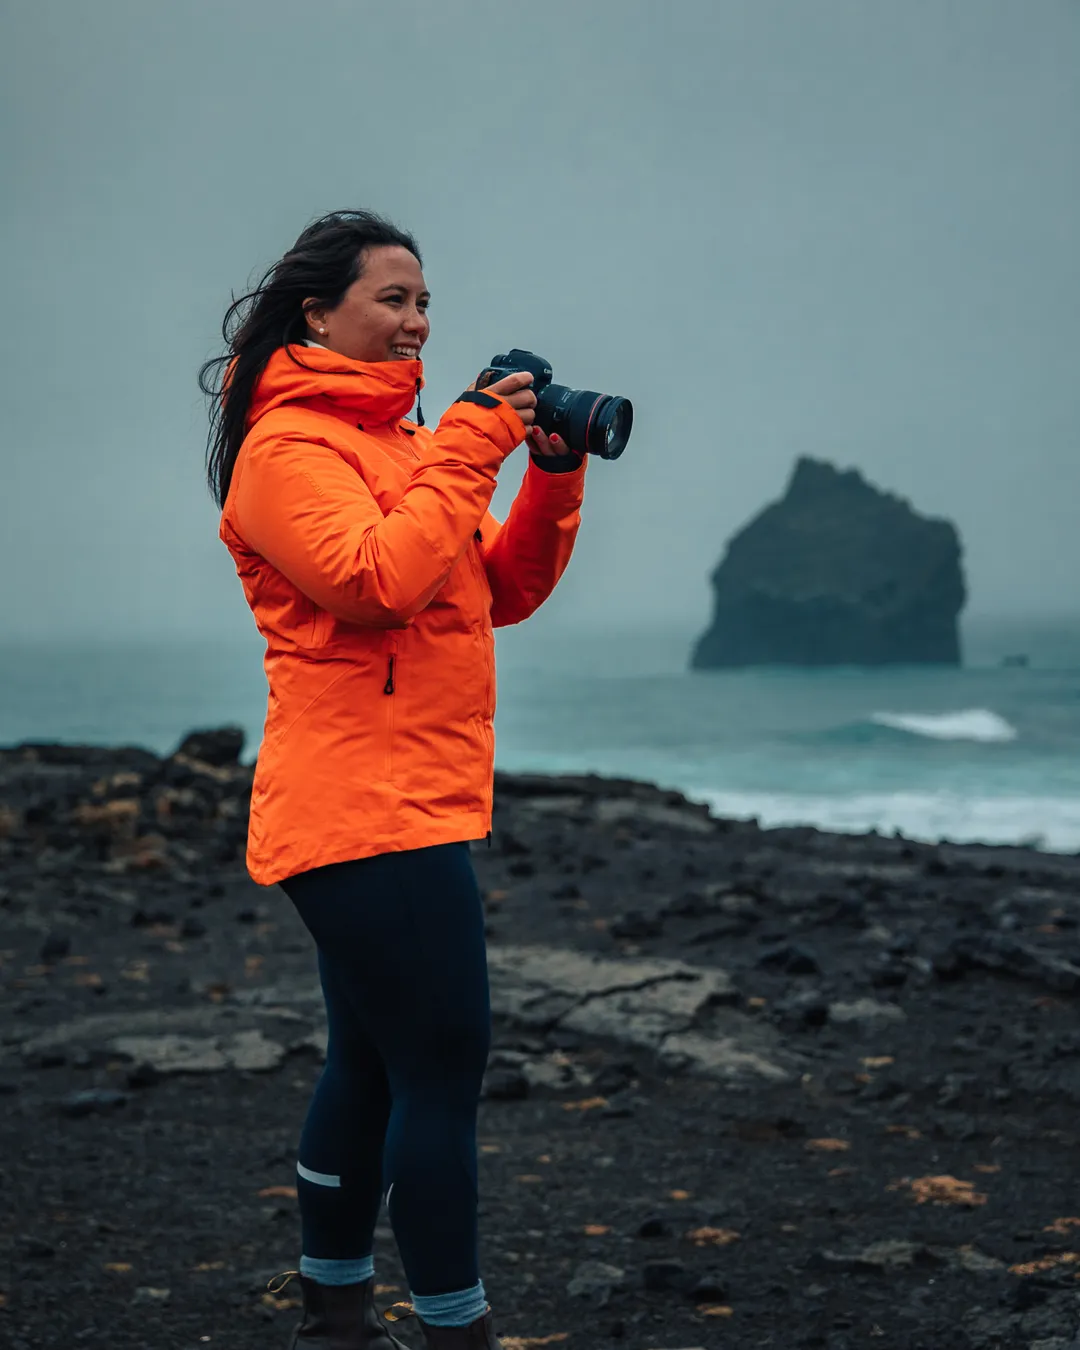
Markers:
point(389, 689)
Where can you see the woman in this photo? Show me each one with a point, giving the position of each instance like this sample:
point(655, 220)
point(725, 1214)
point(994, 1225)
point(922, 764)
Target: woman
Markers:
point(376, 573)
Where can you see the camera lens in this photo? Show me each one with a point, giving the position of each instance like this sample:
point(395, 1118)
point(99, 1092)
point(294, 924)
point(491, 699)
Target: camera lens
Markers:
point(598, 424)
point(613, 425)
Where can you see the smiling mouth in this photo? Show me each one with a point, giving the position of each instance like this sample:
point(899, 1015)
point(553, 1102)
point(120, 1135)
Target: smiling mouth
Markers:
point(402, 353)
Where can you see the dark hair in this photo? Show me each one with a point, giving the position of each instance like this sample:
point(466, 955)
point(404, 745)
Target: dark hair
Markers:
point(321, 266)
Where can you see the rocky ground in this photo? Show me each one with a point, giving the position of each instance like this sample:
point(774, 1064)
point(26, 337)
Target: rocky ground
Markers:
point(751, 1088)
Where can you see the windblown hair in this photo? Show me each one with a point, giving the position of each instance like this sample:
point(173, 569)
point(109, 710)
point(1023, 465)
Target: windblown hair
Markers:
point(319, 268)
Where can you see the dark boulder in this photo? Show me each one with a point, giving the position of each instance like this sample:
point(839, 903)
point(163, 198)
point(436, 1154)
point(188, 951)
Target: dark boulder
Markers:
point(836, 573)
point(220, 747)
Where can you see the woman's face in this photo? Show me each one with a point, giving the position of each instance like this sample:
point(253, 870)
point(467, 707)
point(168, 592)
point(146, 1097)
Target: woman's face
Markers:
point(383, 314)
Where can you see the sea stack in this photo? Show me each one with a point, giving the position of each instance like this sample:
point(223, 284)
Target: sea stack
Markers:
point(836, 573)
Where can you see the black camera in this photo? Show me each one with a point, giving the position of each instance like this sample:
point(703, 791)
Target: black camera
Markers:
point(588, 422)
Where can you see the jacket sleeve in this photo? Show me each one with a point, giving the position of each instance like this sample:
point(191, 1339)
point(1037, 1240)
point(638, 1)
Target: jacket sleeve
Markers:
point(300, 506)
point(525, 557)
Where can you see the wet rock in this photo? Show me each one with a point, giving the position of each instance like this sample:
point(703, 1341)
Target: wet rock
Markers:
point(221, 746)
point(91, 1101)
point(596, 1280)
point(653, 1227)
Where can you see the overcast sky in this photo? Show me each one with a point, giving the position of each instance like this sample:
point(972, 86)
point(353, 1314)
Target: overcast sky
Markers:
point(845, 228)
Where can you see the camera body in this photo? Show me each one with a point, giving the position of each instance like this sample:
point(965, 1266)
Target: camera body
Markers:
point(589, 423)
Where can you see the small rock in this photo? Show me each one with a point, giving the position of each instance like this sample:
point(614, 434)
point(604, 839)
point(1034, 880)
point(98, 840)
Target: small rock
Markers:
point(636, 926)
point(148, 1294)
point(667, 1276)
point(596, 1280)
point(220, 746)
point(888, 973)
point(807, 1009)
point(971, 1260)
point(55, 947)
point(91, 1100)
point(890, 1254)
point(621, 1106)
point(192, 928)
point(614, 1078)
point(150, 918)
point(792, 960)
point(34, 1248)
point(710, 1288)
point(561, 1038)
point(143, 1076)
point(654, 1227)
point(867, 1011)
point(52, 1058)
point(506, 1085)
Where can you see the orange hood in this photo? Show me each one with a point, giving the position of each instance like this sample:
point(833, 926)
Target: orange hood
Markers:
point(373, 391)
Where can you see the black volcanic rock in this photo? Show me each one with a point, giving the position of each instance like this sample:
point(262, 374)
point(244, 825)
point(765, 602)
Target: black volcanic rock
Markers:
point(836, 573)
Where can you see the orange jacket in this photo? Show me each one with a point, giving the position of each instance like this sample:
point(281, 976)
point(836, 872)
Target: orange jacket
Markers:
point(376, 574)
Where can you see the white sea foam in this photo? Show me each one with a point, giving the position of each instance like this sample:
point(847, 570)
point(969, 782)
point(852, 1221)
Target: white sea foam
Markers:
point(970, 724)
point(1051, 823)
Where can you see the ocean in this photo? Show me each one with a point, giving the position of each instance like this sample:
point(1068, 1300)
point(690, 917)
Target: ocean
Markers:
point(989, 752)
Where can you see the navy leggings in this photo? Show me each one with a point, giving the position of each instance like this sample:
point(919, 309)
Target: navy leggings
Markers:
point(403, 965)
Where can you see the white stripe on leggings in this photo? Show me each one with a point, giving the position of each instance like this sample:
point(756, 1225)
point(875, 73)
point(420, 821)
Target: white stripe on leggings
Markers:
point(319, 1178)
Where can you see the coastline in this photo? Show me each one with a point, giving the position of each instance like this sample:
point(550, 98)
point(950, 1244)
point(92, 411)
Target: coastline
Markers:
point(775, 1040)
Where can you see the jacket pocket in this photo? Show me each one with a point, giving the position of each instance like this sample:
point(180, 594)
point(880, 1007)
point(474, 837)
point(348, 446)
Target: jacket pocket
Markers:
point(487, 656)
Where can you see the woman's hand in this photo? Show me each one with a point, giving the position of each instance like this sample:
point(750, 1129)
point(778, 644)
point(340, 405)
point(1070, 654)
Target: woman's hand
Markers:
point(543, 446)
point(515, 390)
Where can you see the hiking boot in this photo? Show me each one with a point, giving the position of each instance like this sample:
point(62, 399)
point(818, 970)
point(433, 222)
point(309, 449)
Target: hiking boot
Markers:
point(338, 1317)
point(478, 1335)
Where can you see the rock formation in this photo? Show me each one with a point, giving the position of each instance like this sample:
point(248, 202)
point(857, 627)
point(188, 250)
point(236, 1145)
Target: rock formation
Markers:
point(836, 573)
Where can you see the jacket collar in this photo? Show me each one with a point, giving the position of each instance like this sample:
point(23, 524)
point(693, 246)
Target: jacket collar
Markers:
point(357, 391)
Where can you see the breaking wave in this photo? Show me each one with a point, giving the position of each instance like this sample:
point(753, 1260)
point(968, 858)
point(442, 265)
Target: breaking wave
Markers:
point(1051, 823)
point(970, 724)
